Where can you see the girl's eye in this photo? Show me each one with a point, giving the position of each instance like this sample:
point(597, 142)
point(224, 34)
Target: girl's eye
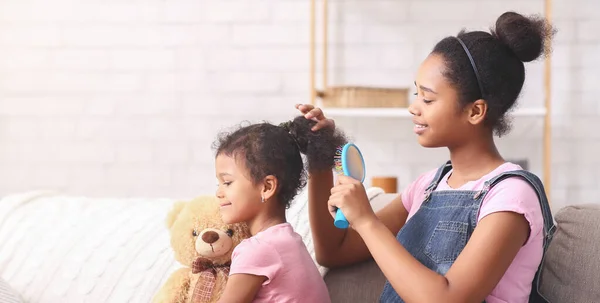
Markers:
point(424, 100)
point(227, 183)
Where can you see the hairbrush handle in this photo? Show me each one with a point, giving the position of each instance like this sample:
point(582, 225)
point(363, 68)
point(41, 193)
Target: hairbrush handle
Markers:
point(340, 220)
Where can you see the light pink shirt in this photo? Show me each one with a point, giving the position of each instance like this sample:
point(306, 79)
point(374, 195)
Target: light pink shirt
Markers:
point(279, 254)
point(511, 194)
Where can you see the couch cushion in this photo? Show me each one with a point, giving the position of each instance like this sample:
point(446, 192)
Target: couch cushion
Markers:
point(361, 282)
point(571, 269)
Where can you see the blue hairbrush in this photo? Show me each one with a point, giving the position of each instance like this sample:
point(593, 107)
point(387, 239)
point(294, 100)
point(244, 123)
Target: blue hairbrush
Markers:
point(348, 161)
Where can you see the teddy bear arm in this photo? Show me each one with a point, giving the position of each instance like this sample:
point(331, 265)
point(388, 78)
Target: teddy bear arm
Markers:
point(175, 289)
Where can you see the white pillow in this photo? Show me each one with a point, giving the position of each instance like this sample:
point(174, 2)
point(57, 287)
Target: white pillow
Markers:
point(7, 294)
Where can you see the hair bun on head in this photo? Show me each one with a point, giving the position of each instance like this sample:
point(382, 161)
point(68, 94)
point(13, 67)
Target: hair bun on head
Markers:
point(526, 37)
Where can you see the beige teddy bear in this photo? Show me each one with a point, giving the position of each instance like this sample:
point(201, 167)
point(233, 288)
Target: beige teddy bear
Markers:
point(202, 243)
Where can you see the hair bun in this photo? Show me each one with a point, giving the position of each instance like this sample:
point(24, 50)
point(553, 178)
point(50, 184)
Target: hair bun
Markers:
point(525, 36)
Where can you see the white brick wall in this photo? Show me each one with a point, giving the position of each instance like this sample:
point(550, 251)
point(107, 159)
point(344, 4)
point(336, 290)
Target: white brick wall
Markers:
point(126, 97)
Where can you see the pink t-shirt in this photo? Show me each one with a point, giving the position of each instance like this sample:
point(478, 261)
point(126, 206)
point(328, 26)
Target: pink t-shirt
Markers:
point(279, 254)
point(511, 194)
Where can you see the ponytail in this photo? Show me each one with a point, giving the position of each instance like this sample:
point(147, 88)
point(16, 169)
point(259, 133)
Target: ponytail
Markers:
point(319, 146)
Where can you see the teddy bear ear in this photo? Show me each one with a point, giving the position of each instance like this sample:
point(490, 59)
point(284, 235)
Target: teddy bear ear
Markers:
point(174, 213)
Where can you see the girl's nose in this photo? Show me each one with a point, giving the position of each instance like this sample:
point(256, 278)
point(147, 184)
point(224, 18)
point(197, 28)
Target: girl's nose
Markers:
point(412, 108)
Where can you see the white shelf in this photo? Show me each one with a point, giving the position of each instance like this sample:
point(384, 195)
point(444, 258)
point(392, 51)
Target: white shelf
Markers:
point(403, 112)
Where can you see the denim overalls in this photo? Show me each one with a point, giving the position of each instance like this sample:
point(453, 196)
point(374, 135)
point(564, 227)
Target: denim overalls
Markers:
point(440, 229)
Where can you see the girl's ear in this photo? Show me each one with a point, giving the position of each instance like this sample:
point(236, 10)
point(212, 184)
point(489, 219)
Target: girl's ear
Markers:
point(477, 112)
point(269, 187)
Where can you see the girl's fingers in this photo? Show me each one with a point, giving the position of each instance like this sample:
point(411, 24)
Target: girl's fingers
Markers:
point(332, 208)
point(340, 188)
point(316, 113)
point(304, 108)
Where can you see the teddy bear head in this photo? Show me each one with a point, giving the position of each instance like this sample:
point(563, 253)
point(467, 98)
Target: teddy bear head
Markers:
point(197, 231)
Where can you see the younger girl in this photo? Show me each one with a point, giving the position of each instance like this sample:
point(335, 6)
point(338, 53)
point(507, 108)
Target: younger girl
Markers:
point(260, 170)
point(474, 229)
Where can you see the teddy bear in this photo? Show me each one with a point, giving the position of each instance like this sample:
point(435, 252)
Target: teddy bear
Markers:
point(203, 244)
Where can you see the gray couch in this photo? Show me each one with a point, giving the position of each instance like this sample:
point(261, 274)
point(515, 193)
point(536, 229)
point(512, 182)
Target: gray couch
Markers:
point(570, 273)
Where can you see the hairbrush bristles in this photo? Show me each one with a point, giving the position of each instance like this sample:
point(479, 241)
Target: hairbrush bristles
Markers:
point(337, 160)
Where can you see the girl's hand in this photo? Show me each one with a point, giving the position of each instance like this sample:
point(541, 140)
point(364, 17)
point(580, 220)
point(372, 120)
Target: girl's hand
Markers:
point(350, 196)
point(315, 113)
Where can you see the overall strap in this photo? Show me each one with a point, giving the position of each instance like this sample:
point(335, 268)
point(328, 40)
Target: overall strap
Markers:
point(537, 185)
point(439, 175)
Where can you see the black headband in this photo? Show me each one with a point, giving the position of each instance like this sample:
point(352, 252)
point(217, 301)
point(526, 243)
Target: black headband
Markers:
point(473, 65)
